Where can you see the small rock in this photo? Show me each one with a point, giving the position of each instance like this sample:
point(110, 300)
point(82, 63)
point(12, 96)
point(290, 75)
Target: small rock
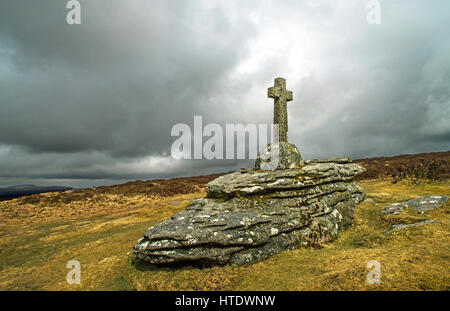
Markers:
point(401, 226)
point(330, 160)
point(421, 204)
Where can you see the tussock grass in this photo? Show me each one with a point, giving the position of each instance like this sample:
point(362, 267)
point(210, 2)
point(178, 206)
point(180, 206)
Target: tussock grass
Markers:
point(37, 240)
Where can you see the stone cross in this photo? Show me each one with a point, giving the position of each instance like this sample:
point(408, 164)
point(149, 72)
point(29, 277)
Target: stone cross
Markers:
point(281, 97)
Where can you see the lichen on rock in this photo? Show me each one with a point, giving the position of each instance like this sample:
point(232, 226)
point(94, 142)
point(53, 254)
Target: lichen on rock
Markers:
point(250, 215)
point(421, 204)
point(282, 155)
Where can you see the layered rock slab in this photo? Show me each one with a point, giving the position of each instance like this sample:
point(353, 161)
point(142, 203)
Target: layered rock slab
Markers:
point(250, 215)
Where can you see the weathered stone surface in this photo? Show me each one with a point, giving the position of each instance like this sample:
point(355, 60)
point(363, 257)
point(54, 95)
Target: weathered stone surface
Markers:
point(281, 96)
point(251, 215)
point(330, 160)
point(421, 204)
point(247, 182)
point(283, 155)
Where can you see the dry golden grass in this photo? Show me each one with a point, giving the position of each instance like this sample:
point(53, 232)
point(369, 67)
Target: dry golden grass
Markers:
point(37, 239)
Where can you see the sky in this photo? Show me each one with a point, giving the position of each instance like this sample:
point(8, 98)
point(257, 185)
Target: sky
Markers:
point(94, 104)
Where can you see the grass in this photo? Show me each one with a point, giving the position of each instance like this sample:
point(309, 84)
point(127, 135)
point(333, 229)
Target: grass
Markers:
point(37, 240)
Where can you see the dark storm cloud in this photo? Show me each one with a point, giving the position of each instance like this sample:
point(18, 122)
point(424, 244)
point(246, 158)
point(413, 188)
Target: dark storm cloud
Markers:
point(392, 93)
point(98, 100)
point(118, 82)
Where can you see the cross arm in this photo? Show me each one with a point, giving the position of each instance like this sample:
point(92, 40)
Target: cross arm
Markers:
point(278, 92)
point(289, 96)
point(273, 92)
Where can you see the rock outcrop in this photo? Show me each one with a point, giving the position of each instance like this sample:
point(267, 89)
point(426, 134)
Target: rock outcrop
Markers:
point(250, 215)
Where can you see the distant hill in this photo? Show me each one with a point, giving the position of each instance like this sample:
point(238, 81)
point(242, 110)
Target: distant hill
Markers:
point(433, 165)
point(21, 190)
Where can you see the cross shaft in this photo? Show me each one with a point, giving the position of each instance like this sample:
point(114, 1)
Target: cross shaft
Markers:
point(281, 96)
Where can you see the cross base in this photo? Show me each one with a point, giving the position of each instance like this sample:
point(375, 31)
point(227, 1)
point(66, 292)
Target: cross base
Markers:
point(282, 155)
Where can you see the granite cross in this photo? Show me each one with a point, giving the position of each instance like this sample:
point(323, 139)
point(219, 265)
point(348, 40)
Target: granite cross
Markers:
point(281, 97)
